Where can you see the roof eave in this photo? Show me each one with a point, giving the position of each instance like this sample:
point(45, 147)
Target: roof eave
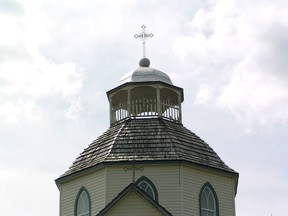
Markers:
point(65, 178)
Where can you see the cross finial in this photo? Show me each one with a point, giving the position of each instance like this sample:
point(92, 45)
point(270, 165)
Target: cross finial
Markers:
point(144, 35)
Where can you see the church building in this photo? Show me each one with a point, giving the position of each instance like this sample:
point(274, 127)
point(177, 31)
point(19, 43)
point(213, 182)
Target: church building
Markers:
point(147, 163)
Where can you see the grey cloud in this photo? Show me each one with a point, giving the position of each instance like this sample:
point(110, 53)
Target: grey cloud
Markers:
point(274, 59)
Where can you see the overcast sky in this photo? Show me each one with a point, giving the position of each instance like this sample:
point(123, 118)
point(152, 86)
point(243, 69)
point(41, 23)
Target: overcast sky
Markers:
point(59, 57)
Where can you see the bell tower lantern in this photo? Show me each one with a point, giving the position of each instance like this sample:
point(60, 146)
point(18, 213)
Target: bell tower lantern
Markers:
point(145, 93)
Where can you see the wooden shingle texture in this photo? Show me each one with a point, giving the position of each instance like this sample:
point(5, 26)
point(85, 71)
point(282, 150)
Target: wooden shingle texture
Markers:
point(150, 139)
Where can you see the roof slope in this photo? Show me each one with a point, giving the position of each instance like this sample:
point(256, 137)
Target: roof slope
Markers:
point(150, 139)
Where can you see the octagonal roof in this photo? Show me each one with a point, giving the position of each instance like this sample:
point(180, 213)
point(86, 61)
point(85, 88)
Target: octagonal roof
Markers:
point(141, 140)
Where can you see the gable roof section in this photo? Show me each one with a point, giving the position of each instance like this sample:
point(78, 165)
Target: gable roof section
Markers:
point(123, 194)
point(153, 139)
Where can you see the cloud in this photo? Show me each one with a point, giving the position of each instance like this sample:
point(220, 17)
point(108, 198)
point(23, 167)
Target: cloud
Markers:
point(247, 49)
point(14, 111)
point(27, 182)
point(25, 73)
point(75, 108)
point(261, 98)
point(10, 6)
point(38, 78)
point(204, 95)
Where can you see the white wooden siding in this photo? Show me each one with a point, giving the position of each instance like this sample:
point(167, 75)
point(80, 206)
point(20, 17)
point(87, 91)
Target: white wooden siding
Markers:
point(133, 205)
point(165, 178)
point(178, 188)
point(94, 183)
point(194, 179)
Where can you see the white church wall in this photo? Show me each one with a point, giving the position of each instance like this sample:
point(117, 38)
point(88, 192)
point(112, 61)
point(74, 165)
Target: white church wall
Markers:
point(164, 177)
point(193, 181)
point(95, 185)
point(133, 205)
point(178, 187)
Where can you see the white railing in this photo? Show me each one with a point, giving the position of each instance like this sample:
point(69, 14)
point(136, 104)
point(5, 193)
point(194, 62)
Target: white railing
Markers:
point(145, 107)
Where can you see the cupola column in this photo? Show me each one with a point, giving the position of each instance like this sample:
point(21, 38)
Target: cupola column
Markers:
point(180, 109)
point(158, 102)
point(129, 102)
point(112, 119)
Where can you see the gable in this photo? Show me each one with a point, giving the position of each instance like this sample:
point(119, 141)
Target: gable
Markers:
point(133, 201)
point(133, 204)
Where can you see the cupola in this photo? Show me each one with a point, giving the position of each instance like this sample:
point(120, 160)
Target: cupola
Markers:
point(145, 93)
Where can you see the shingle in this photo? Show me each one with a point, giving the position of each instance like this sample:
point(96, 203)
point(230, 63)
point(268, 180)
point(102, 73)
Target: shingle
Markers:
point(147, 140)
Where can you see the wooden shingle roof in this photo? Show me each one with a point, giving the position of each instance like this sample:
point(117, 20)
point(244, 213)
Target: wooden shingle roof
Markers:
point(148, 139)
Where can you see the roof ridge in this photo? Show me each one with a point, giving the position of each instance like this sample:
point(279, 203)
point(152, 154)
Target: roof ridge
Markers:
point(174, 146)
point(116, 137)
point(198, 140)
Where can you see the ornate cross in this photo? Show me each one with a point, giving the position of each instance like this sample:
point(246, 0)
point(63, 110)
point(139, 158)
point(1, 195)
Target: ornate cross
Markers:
point(134, 169)
point(144, 35)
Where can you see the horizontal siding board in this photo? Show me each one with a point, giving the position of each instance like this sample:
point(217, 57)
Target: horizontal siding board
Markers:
point(194, 179)
point(165, 178)
point(94, 183)
point(178, 187)
point(133, 205)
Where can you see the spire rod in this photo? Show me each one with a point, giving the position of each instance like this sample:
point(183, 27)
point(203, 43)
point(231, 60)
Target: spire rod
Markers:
point(144, 35)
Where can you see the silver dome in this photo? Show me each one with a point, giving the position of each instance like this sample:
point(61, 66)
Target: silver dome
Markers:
point(145, 74)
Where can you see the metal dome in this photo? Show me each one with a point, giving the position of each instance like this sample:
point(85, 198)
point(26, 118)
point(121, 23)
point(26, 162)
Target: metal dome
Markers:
point(144, 73)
